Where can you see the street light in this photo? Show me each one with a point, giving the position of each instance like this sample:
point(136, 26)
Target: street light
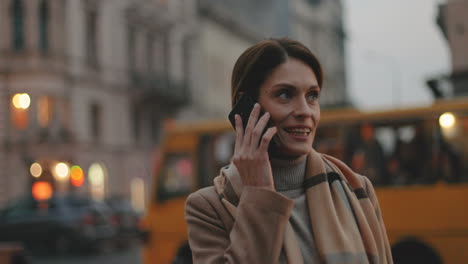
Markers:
point(35, 170)
point(61, 170)
point(21, 101)
point(447, 120)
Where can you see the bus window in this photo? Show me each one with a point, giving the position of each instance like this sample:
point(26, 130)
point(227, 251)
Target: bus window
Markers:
point(214, 152)
point(176, 176)
point(368, 157)
point(205, 161)
point(453, 148)
point(224, 148)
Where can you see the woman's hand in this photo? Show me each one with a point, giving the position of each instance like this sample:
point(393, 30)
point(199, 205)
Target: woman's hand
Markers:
point(251, 158)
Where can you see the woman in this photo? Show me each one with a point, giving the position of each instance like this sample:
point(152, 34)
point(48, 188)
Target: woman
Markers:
point(282, 202)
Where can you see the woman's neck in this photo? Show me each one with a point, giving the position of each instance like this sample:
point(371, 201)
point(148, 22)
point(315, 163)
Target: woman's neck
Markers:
point(288, 174)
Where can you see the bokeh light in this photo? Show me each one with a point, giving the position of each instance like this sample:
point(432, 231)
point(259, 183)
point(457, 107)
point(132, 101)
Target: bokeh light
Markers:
point(61, 170)
point(76, 176)
point(25, 101)
point(16, 101)
point(96, 174)
point(41, 191)
point(21, 101)
point(447, 120)
point(36, 170)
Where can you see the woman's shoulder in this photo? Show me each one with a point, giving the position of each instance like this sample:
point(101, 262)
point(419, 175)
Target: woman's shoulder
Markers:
point(206, 200)
point(204, 195)
point(205, 205)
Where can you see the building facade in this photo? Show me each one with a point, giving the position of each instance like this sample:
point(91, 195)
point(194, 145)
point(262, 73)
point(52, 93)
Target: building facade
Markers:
point(319, 25)
point(453, 22)
point(226, 28)
point(88, 84)
point(91, 83)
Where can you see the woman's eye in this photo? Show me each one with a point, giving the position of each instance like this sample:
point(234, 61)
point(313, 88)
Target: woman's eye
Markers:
point(284, 94)
point(313, 96)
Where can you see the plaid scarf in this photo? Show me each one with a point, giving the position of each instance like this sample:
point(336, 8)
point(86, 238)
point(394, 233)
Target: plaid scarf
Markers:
point(345, 215)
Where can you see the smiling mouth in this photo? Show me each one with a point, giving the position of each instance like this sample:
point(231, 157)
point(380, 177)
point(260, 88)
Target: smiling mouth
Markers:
point(298, 131)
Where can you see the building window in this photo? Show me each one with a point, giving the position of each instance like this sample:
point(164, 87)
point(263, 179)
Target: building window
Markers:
point(95, 117)
point(314, 2)
point(18, 25)
point(131, 48)
point(167, 54)
point(136, 124)
point(44, 26)
point(91, 38)
point(188, 59)
point(150, 53)
point(155, 127)
point(137, 186)
point(45, 110)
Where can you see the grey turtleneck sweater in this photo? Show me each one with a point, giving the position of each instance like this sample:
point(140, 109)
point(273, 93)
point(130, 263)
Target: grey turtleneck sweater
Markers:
point(288, 176)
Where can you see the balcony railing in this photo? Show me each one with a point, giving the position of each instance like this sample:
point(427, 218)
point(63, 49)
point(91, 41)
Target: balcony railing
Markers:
point(159, 88)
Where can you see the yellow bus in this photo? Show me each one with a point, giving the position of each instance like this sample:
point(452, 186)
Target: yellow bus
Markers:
point(416, 157)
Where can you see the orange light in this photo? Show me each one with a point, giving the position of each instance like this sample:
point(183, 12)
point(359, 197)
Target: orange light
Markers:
point(42, 191)
point(16, 101)
point(76, 176)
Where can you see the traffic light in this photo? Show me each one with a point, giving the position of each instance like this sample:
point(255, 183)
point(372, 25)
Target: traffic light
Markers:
point(76, 176)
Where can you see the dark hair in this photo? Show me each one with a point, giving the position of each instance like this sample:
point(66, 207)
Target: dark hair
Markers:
point(257, 62)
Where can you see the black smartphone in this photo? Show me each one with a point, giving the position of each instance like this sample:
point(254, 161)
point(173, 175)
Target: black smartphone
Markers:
point(243, 108)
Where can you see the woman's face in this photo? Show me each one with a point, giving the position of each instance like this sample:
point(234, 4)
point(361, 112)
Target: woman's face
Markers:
point(290, 94)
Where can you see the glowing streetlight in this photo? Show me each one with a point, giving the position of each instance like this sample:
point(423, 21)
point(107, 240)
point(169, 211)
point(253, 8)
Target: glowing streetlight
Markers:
point(16, 100)
point(35, 170)
point(25, 101)
point(447, 120)
point(96, 176)
point(61, 170)
point(21, 101)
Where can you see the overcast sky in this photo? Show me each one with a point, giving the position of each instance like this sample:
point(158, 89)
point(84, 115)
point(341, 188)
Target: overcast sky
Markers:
point(393, 46)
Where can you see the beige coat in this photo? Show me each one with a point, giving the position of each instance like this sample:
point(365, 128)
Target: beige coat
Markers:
point(259, 232)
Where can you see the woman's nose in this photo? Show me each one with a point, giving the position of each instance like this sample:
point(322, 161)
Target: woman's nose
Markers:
point(303, 109)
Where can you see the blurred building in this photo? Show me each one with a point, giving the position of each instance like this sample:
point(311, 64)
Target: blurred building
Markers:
point(88, 84)
point(226, 28)
point(453, 22)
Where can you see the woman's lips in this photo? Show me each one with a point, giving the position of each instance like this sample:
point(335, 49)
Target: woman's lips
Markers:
point(299, 133)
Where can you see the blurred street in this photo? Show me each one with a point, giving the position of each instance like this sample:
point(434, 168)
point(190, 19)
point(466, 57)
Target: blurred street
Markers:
point(113, 112)
point(130, 256)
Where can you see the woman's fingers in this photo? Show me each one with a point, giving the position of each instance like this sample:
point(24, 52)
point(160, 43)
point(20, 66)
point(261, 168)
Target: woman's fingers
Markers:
point(259, 129)
point(251, 125)
point(269, 134)
point(239, 133)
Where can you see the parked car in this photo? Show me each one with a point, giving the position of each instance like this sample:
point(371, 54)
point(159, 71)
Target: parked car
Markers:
point(129, 223)
point(62, 224)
